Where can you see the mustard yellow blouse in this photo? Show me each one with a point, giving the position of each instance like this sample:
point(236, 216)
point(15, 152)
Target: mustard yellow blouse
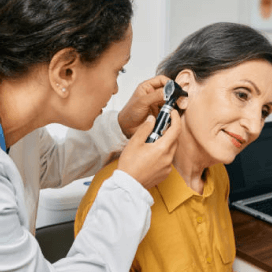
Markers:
point(189, 232)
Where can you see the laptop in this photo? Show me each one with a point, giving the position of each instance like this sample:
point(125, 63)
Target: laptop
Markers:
point(251, 177)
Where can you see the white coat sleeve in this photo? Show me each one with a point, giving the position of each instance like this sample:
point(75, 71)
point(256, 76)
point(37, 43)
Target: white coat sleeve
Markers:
point(82, 153)
point(118, 220)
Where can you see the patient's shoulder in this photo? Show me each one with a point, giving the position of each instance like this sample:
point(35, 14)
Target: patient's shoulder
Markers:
point(88, 199)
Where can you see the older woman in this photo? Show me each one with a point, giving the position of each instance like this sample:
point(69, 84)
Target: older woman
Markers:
point(226, 69)
point(59, 62)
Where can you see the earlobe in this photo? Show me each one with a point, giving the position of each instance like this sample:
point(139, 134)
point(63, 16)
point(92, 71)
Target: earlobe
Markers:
point(63, 71)
point(182, 103)
point(61, 90)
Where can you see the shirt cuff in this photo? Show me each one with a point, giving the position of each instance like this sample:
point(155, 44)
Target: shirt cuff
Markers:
point(131, 185)
point(115, 126)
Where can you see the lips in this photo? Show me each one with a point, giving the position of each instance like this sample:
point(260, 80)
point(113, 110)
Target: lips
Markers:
point(236, 139)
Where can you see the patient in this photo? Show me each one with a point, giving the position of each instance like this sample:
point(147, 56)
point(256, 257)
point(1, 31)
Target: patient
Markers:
point(226, 69)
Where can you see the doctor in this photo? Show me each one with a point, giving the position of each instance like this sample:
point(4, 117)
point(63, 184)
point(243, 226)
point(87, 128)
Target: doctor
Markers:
point(59, 62)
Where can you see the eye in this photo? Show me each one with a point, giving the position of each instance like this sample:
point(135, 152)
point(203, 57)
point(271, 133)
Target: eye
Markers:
point(242, 95)
point(265, 112)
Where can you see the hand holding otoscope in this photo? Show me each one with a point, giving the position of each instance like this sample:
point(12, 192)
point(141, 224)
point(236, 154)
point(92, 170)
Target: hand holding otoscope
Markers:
point(172, 91)
point(151, 163)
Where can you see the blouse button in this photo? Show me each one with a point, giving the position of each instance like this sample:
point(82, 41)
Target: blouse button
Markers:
point(199, 220)
point(209, 260)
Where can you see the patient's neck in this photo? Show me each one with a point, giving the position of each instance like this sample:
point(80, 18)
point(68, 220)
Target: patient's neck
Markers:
point(191, 176)
point(191, 165)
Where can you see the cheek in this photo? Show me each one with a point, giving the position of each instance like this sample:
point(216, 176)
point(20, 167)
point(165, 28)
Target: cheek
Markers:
point(219, 109)
point(205, 121)
point(198, 112)
point(109, 86)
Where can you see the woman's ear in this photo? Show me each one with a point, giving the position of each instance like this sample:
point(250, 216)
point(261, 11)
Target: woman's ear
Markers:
point(63, 71)
point(186, 80)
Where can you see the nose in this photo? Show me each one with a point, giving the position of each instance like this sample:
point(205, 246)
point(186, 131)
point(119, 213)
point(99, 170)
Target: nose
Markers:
point(253, 123)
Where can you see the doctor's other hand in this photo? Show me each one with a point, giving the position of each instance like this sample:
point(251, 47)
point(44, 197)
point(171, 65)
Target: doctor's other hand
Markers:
point(150, 163)
point(145, 100)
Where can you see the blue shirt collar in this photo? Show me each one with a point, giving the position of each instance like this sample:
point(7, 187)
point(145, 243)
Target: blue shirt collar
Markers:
point(2, 139)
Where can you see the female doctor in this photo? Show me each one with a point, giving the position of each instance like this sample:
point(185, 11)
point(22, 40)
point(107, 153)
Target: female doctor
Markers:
point(59, 62)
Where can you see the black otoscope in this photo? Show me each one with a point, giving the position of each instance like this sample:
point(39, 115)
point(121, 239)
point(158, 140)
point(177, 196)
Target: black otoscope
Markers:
point(172, 91)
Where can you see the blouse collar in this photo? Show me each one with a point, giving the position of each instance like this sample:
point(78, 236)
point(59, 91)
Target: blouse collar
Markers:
point(175, 191)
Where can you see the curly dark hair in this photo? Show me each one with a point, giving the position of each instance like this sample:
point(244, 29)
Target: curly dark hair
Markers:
point(32, 31)
point(216, 47)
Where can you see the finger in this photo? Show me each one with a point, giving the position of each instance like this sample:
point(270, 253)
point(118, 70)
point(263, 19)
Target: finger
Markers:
point(154, 98)
point(144, 130)
point(174, 130)
point(151, 85)
point(173, 148)
point(158, 81)
point(155, 109)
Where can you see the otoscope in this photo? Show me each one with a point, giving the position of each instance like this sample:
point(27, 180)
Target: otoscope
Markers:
point(172, 91)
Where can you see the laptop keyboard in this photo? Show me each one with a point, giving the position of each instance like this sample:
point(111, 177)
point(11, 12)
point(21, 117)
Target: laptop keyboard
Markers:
point(264, 206)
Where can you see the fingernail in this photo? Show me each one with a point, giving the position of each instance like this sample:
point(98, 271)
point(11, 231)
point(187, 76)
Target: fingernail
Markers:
point(149, 118)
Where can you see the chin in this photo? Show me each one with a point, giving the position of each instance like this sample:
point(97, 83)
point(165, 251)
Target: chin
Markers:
point(84, 126)
point(228, 160)
point(88, 126)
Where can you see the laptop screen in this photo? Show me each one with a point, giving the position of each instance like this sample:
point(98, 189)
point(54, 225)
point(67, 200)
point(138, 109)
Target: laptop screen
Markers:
point(251, 172)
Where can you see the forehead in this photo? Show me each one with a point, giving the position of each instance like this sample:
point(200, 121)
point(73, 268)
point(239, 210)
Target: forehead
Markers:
point(252, 68)
point(259, 72)
point(119, 51)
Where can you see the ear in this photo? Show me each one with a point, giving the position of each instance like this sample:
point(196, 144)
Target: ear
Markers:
point(186, 80)
point(63, 71)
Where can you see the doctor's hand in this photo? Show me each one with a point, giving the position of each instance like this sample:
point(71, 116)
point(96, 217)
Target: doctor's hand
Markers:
point(150, 163)
point(146, 100)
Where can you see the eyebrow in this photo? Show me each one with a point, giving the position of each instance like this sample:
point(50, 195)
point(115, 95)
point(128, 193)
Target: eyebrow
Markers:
point(254, 85)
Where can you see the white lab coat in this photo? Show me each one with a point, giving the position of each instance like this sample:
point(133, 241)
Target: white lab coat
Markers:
point(121, 212)
point(45, 163)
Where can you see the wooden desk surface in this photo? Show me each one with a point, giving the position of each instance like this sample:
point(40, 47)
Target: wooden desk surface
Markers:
point(253, 239)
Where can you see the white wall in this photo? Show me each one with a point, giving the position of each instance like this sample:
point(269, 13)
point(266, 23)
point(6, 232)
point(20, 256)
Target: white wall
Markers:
point(150, 42)
point(187, 16)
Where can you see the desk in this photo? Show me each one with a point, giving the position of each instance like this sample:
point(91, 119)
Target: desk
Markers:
point(253, 239)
